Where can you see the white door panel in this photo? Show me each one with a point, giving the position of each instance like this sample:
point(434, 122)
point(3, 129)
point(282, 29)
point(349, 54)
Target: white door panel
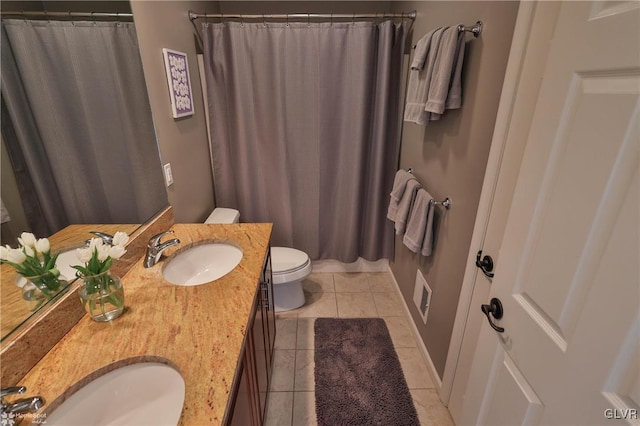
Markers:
point(508, 383)
point(569, 272)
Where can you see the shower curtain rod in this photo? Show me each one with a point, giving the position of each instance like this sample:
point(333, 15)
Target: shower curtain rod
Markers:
point(408, 15)
point(69, 14)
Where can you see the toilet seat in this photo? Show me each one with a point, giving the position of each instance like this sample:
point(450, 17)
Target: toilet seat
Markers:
point(289, 264)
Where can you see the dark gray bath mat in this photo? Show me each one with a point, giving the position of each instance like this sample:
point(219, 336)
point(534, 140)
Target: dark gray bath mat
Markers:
point(359, 380)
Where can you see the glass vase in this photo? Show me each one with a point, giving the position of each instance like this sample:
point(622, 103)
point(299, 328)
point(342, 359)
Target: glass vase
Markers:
point(102, 296)
point(37, 290)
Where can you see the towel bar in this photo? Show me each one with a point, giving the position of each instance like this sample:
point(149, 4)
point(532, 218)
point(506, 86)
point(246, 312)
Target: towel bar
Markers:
point(446, 203)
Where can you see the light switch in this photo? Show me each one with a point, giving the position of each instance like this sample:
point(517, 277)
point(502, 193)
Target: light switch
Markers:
point(168, 176)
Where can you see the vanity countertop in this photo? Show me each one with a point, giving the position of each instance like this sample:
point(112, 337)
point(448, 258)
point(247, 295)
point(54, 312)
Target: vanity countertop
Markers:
point(198, 330)
point(14, 309)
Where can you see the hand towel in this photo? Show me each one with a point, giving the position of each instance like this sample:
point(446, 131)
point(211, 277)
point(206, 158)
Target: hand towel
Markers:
point(444, 69)
point(454, 98)
point(420, 77)
point(404, 206)
point(427, 242)
point(399, 185)
point(421, 50)
point(417, 225)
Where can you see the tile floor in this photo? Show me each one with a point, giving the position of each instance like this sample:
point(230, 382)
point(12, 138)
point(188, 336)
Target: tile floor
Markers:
point(343, 295)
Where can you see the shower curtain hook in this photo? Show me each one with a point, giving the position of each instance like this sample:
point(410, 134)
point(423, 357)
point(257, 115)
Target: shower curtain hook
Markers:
point(287, 19)
point(331, 20)
point(264, 21)
point(308, 20)
point(71, 18)
point(46, 15)
point(353, 18)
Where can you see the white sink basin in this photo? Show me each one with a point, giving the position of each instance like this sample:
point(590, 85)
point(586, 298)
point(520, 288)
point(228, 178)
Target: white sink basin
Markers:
point(64, 262)
point(140, 394)
point(202, 264)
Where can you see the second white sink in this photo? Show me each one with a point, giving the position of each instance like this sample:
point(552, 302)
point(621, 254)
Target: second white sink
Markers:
point(146, 393)
point(202, 263)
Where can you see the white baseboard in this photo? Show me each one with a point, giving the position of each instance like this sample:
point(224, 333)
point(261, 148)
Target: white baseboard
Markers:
point(431, 368)
point(360, 265)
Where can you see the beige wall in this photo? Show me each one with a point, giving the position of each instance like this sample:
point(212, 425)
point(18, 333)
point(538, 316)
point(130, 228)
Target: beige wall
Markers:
point(12, 201)
point(297, 6)
point(182, 142)
point(449, 158)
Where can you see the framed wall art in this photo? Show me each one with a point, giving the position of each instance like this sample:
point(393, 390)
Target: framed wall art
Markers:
point(179, 81)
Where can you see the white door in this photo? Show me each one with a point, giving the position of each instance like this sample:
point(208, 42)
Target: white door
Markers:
point(568, 275)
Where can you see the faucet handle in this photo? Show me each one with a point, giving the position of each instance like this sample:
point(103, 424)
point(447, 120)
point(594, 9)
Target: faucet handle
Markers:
point(12, 390)
point(155, 240)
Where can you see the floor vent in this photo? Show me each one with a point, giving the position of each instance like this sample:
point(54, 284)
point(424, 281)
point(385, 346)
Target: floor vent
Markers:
point(422, 296)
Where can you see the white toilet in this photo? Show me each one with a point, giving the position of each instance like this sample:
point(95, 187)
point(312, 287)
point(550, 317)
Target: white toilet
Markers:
point(288, 266)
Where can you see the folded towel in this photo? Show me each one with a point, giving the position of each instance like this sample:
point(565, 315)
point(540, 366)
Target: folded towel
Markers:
point(443, 70)
point(420, 77)
point(427, 242)
point(454, 98)
point(399, 185)
point(421, 217)
point(404, 206)
point(421, 50)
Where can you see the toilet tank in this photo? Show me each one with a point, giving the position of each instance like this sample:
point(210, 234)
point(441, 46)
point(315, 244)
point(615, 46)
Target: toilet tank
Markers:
point(223, 215)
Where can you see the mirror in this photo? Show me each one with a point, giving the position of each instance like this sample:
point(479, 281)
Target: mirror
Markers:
point(95, 162)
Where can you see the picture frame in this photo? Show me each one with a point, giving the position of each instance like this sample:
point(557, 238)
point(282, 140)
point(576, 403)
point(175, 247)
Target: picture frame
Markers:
point(179, 80)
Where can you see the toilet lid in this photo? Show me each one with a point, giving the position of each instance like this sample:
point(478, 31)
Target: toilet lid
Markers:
point(285, 259)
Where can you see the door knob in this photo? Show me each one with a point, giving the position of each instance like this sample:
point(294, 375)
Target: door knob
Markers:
point(485, 265)
point(494, 308)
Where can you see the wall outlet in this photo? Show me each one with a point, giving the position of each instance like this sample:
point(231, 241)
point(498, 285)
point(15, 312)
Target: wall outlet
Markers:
point(422, 296)
point(168, 176)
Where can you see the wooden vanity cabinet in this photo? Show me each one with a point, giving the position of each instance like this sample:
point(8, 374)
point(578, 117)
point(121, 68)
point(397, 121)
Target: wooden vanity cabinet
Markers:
point(255, 368)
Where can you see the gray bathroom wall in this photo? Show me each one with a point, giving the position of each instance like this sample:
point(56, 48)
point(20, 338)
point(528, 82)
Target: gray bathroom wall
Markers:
point(449, 158)
point(183, 141)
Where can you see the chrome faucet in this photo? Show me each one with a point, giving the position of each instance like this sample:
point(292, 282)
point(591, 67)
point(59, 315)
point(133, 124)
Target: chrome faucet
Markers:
point(106, 238)
point(23, 405)
point(155, 248)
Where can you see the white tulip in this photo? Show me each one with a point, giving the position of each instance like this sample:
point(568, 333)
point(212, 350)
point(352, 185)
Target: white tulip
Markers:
point(116, 252)
point(42, 245)
point(27, 239)
point(95, 243)
point(4, 252)
point(103, 252)
point(120, 239)
point(84, 254)
point(29, 251)
point(16, 256)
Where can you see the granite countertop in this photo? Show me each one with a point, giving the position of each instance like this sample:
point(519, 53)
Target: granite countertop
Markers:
point(198, 330)
point(14, 309)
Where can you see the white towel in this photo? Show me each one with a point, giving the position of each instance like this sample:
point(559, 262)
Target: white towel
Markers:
point(404, 206)
point(420, 224)
point(445, 77)
point(420, 77)
point(399, 185)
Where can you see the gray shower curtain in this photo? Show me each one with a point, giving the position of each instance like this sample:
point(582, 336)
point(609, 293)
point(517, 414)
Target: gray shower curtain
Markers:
point(305, 121)
point(80, 123)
